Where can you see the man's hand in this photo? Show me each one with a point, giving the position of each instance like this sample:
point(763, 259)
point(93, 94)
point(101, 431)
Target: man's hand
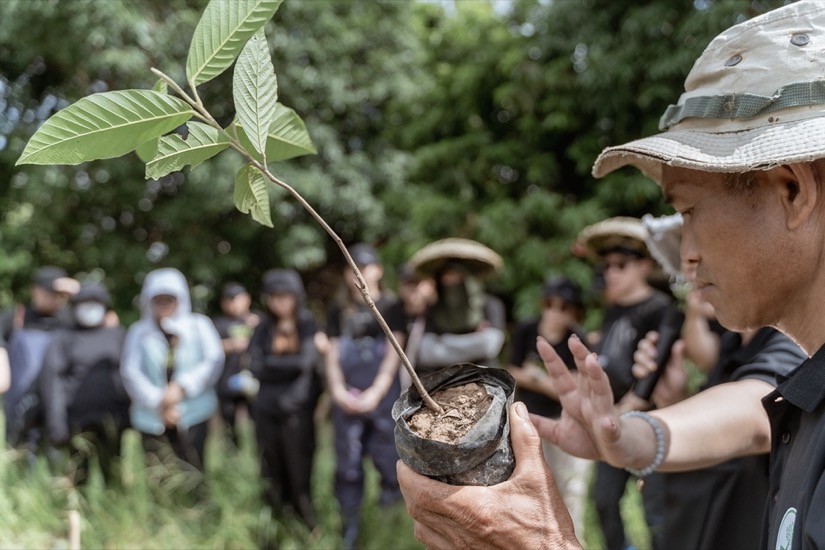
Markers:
point(589, 426)
point(526, 511)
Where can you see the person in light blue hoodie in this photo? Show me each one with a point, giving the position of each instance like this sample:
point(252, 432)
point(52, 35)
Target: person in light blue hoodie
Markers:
point(171, 360)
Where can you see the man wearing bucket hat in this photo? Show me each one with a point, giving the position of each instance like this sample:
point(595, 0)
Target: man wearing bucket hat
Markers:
point(741, 158)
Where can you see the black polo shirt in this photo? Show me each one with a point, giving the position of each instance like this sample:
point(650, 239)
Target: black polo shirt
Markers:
point(795, 515)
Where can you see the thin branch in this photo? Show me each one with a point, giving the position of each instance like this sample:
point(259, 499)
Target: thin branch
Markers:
point(361, 283)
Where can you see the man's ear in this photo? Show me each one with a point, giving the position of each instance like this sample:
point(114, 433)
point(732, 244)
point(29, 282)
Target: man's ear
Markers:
point(799, 191)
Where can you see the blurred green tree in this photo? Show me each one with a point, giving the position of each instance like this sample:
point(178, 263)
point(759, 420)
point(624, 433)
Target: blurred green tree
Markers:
point(521, 103)
point(474, 122)
point(104, 219)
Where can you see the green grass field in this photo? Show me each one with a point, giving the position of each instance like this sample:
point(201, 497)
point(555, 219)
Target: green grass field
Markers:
point(151, 511)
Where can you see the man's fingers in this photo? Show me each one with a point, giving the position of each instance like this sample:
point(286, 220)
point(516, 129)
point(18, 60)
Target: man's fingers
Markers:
point(578, 349)
point(422, 493)
point(556, 368)
point(525, 440)
point(431, 538)
point(547, 428)
point(601, 395)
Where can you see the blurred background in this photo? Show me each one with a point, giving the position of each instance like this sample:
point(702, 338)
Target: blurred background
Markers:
point(467, 118)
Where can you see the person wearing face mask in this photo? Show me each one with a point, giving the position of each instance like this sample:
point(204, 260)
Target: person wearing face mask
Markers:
point(82, 388)
point(465, 324)
point(170, 363)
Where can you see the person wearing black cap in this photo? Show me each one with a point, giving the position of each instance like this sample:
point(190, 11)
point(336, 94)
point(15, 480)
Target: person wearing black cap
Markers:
point(363, 382)
point(25, 331)
point(416, 293)
point(234, 324)
point(562, 310)
point(282, 357)
point(81, 385)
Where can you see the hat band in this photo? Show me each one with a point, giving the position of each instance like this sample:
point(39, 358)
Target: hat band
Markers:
point(733, 106)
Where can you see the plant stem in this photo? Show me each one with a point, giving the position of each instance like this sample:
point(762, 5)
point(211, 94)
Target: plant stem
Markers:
point(360, 282)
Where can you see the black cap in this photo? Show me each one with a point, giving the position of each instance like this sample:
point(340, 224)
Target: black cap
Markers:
point(406, 274)
point(282, 280)
point(92, 292)
point(364, 254)
point(564, 288)
point(46, 276)
point(232, 289)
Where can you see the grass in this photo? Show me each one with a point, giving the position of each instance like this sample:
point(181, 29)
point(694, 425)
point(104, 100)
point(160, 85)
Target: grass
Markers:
point(152, 511)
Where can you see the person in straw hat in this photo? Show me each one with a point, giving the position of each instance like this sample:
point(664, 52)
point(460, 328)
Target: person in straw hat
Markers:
point(741, 157)
point(465, 323)
point(618, 248)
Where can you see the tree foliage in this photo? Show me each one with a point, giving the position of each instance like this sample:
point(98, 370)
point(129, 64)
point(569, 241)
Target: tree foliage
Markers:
point(426, 123)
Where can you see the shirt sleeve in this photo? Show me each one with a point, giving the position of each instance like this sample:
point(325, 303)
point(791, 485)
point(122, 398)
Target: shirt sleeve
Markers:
point(208, 370)
point(779, 356)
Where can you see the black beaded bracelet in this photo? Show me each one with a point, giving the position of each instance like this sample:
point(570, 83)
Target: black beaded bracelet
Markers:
point(660, 444)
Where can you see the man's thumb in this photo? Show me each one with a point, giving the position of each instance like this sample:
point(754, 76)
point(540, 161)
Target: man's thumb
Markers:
point(524, 439)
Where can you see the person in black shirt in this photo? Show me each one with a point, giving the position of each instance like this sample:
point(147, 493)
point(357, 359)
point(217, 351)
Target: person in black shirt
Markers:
point(234, 324)
point(282, 358)
point(25, 333)
point(363, 382)
point(561, 312)
point(634, 308)
point(82, 390)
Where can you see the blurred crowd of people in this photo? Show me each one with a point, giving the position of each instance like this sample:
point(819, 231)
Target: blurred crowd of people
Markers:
point(75, 379)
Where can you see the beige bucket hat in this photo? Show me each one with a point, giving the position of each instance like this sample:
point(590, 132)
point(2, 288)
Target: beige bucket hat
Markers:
point(754, 99)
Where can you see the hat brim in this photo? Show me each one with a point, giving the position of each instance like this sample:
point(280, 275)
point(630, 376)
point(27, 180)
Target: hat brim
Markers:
point(478, 258)
point(613, 232)
point(756, 149)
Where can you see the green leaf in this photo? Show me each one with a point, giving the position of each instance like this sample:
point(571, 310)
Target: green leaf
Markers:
point(251, 195)
point(174, 152)
point(223, 29)
point(147, 151)
point(104, 125)
point(255, 90)
point(287, 137)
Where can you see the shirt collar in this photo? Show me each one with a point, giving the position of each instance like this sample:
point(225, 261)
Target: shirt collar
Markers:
point(805, 386)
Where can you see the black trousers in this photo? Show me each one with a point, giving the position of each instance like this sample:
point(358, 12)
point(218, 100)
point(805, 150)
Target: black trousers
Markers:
point(608, 489)
point(287, 445)
point(186, 444)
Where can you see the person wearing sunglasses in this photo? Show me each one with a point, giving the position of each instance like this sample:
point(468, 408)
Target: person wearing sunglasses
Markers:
point(633, 307)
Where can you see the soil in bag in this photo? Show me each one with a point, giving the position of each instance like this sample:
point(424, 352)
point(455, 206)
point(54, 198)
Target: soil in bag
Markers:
point(469, 443)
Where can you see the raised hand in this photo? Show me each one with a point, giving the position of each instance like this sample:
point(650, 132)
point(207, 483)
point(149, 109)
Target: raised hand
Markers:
point(589, 426)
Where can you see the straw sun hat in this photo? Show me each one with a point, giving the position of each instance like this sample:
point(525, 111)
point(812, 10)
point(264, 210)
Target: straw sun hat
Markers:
point(754, 99)
point(478, 258)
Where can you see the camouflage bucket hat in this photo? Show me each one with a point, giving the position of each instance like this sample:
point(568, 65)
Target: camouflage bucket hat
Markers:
point(755, 99)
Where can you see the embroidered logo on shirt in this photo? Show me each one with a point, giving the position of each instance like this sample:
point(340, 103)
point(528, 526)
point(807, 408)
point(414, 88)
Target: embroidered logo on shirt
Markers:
point(784, 537)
